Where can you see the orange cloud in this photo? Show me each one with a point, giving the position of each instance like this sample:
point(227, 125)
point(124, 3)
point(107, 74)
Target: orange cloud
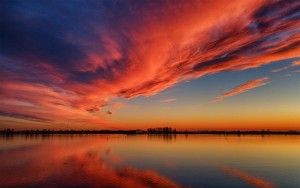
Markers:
point(243, 88)
point(256, 181)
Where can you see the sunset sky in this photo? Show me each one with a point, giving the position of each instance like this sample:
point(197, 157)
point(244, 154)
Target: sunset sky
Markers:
point(130, 64)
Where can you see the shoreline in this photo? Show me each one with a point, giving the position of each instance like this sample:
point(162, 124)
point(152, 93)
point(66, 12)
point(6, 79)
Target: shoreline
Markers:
point(143, 132)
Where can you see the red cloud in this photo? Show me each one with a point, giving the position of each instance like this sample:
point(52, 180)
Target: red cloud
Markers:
point(149, 48)
point(243, 88)
point(42, 103)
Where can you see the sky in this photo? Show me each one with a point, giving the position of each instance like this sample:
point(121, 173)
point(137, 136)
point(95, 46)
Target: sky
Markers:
point(126, 64)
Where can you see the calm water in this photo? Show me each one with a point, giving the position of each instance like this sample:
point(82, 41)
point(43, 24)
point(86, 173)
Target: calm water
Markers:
point(150, 161)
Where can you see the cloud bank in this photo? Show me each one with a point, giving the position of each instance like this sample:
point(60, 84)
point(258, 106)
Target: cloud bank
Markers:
point(63, 60)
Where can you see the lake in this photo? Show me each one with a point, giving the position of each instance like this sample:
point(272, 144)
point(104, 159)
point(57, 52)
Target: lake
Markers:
point(204, 161)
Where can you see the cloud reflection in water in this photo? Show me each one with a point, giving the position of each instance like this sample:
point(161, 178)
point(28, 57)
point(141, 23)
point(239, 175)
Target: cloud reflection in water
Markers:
point(61, 164)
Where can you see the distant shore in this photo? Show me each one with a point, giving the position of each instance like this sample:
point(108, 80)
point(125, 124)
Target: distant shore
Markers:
point(149, 131)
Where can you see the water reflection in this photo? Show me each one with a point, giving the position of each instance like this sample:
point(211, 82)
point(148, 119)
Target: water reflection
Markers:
point(164, 137)
point(69, 164)
point(256, 181)
point(150, 161)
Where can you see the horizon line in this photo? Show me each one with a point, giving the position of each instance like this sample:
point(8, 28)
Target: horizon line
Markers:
point(149, 131)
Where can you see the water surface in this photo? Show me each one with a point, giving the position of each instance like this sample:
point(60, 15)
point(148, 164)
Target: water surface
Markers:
point(205, 161)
